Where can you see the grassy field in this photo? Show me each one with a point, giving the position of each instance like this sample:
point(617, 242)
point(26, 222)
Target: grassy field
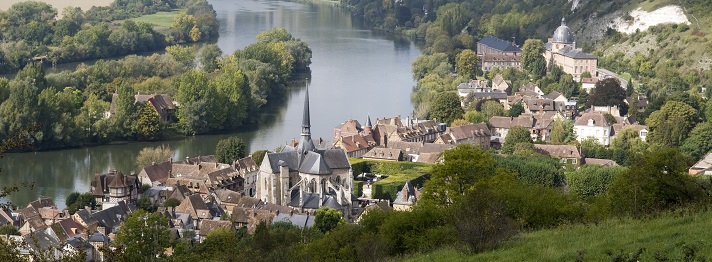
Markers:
point(160, 18)
point(668, 236)
point(61, 4)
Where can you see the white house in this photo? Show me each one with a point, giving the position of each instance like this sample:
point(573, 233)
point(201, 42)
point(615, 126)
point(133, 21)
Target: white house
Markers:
point(593, 125)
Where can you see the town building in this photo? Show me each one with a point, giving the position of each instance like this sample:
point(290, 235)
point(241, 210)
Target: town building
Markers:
point(566, 154)
point(306, 178)
point(498, 53)
point(561, 51)
point(593, 125)
point(114, 186)
point(162, 103)
point(702, 167)
point(473, 134)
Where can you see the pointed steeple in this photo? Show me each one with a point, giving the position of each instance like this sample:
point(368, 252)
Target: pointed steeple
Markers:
point(368, 121)
point(305, 143)
point(368, 129)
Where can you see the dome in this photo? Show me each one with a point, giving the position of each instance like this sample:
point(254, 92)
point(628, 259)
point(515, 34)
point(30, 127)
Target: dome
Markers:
point(563, 34)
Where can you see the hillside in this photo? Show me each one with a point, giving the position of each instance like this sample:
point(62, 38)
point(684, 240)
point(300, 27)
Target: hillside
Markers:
point(670, 236)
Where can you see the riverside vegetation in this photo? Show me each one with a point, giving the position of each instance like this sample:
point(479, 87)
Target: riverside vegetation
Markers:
point(225, 93)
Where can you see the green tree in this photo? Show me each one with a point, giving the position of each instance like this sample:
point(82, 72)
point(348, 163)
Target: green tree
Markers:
point(466, 63)
point(430, 64)
point(172, 203)
point(532, 56)
point(258, 156)
point(699, 142)
point(148, 124)
point(629, 140)
point(278, 34)
point(562, 132)
point(8, 229)
point(608, 92)
point(567, 86)
point(459, 122)
point(327, 219)
point(232, 86)
point(184, 55)
point(230, 149)
point(659, 181)
point(462, 167)
point(516, 110)
point(590, 181)
point(144, 236)
point(150, 155)
point(671, 125)
point(474, 117)
point(446, 107)
point(209, 56)
point(516, 135)
point(492, 108)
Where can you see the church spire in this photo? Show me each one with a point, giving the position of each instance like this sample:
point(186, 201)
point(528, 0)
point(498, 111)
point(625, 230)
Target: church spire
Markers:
point(305, 143)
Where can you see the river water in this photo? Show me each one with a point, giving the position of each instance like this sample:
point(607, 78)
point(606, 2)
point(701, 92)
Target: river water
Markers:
point(355, 72)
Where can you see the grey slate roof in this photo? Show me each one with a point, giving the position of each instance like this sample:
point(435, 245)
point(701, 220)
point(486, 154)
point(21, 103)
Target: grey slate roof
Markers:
point(499, 44)
point(311, 200)
point(298, 220)
point(574, 53)
point(314, 163)
point(563, 34)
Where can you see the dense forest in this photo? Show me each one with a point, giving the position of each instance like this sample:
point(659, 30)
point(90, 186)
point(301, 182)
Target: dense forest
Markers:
point(224, 93)
point(32, 30)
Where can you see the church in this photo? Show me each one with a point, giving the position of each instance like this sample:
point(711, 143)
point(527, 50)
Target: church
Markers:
point(561, 51)
point(306, 178)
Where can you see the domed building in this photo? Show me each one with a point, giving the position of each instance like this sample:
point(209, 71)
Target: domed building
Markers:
point(561, 51)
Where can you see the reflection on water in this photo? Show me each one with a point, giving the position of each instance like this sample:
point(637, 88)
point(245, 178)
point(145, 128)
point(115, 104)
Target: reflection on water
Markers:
point(355, 72)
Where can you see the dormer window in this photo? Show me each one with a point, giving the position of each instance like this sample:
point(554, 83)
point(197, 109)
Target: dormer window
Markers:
point(591, 122)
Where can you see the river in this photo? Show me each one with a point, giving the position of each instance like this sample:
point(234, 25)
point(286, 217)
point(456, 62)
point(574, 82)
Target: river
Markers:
point(355, 72)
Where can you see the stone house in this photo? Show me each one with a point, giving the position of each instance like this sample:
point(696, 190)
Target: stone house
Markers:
point(248, 169)
point(474, 134)
point(406, 198)
point(588, 84)
point(384, 154)
point(497, 53)
point(593, 125)
point(114, 186)
point(561, 51)
point(565, 153)
point(210, 225)
point(501, 85)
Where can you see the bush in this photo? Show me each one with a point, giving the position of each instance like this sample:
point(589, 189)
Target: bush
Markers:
point(589, 181)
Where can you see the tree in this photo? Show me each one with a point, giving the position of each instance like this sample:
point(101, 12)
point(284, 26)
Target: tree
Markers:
point(532, 56)
point(172, 203)
point(608, 92)
point(459, 122)
point(466, 63)
point(184, 55)
point(148, 123)
point(230, 149)
point(671, 125)
point(474, 117)
point(258, 156)
point(278, 34)
point(446, 107)
point(209, 56)
point(562, 132)
point(516, 135)
point(516, 110)
point(327, 219)
point(567, 86)
point(699, 143)
point(151, 155)
point(492, 108)
point(629, 140)
point(144, 236)
point(589, 181)
point(8, 229)
point(659, 181)
point(462, 167)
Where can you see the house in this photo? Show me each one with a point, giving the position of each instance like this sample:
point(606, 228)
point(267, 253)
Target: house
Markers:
point(384, 154)
point(599, 162)
point(406, 198)
point(47, 210)
point(354, 145)
point(301, 221)
point(702, 167)
point(114, 186)
point(410, 150)
point(203, 177)
point(196, 207)
point(7, 217)
point(640, 129)
point(588, 84)
point(561, 51)
point(565, 153)
point(227, 199)
point(556, 97)
point(471, 95)
point(156, 174)
point(541, 105)
point(44, 242)
point(410, 130)
point(85, 218)
point(248, 169)
point(501, 125)
point(77, 244)
point(210, 225)
point(31, 221)
point(349, 127)
point(162, 103)
point(593, 125)
point(501, 85)
point(501, 61)
point(98, 241)
point(639, 102)
point(492, 45)
point(67, 229)
point(110, 218)
point(530, 89)
point(474, 134)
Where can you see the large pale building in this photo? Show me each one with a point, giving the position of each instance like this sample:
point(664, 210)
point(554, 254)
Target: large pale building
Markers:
point(561, 51)
point(306, 178)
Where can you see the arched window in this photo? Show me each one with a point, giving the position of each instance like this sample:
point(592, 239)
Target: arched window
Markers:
point(338, 180)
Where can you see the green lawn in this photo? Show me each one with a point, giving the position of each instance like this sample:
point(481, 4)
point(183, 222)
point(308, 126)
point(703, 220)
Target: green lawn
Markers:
point(160, 18)
point(667, 236)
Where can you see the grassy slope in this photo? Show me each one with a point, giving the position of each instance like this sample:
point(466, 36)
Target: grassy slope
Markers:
point(164, 19)
point(666, 236)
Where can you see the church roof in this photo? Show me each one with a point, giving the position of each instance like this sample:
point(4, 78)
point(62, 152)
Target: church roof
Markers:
point(331, 158)
point(563, 34)
point(314, 163)
point(499, 44)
